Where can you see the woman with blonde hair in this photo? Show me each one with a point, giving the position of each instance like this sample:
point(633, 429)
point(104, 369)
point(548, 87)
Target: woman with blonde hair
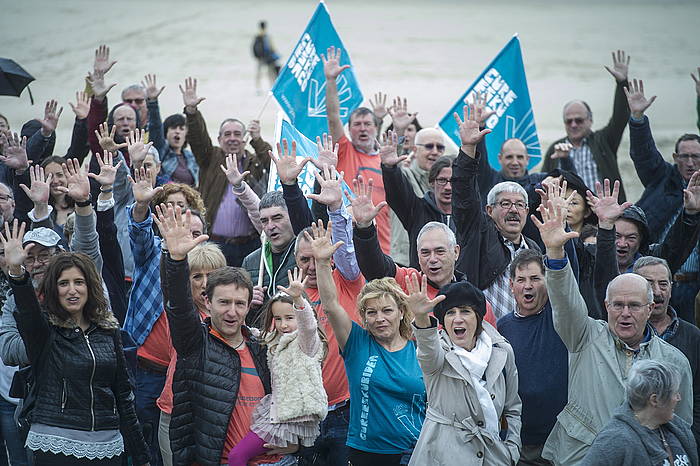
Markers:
point(387, 395)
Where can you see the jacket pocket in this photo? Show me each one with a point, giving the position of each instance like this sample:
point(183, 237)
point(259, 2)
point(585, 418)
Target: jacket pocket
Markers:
point(577, 424)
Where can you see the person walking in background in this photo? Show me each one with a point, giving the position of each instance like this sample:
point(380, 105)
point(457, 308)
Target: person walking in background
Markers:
point(265, 56)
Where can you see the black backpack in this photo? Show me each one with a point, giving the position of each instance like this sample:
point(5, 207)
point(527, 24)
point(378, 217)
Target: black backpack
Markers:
point(259, 47)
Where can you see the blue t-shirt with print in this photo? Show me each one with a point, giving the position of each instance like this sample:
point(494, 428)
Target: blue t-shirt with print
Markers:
point(387, 394)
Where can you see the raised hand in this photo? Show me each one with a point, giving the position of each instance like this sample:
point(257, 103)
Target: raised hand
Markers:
point(233, 175)
point(149, 83)
point(254, 129)
point(469, 132)
point(136, 148)
point(327, 152)
point(562, 150)
point(108, 171)
point(175, 230)
point(51, 116)
point(400, 116)
point(331, 194)
point(102, 62)
point(288, 168)
point(556, 194)
point(39, 193)
point(389, 149)
point(696, 79)
point(15, 254)
point(379, 105)
point(691, 195)
point(620, 68)
point(604, 203)
point(82, 105)
point(14, 151)
point(96, 80)
point(479, 102)
point(363, 208)
point(106, 138)
point(78, 184)
point(189, 95)
point(417, 297)
point(637, 101)
point(321, 242)
point(297, 285)
point(331, 63)
point(142, 186)
point(552, 231)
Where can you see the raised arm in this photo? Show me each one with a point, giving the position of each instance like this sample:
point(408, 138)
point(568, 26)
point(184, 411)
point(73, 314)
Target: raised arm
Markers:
point(184, 322)
point(79, 147)
point(399, 193)
point(309, 340)
point(31, 323)
point(197, 134)
point(332, 69)
point(155, 124)
point(243, 192)
point(288, 169)
point(429, 351)
point(323, 250)
point(696, 79)
point(621, 111)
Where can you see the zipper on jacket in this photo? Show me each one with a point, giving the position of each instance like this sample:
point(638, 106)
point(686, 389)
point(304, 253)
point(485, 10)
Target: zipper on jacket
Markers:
point(64, 396)
point(92, 376)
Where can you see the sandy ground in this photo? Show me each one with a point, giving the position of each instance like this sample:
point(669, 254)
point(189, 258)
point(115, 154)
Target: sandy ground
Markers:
point(426, 51)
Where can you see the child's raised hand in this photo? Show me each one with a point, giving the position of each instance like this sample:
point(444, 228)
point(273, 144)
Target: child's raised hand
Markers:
point(297, 285)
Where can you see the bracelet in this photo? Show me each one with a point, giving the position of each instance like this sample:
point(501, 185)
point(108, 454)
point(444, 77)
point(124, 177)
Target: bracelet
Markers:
point(17, 277)
point(86, 202)
point(108, 190)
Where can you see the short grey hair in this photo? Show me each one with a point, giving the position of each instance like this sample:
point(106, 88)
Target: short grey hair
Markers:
point(272, 199)
point(154, 152)
point(649, 261)
point(650, 292)
point(589, 112)
point(505, 187)
point(648, 377)
point(134, 87)
point(231, 120)
point(451, 238)
point(301, 237)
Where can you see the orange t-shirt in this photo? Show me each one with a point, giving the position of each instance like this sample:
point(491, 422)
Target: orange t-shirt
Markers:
point(354, 163)
point(403, 272)
point(157, 345)
point(333, 371)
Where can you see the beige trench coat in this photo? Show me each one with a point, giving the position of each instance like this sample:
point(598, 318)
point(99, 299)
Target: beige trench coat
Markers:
point(453, 432)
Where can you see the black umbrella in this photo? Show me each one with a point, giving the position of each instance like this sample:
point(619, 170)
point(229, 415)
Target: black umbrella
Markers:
point(13, 79)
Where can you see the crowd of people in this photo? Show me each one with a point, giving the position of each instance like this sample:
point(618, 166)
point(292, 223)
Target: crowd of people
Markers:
point(161, 306)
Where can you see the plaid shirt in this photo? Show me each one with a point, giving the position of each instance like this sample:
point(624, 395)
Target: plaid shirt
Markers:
point(585, 165)
point(146, 298)
point(499, 293)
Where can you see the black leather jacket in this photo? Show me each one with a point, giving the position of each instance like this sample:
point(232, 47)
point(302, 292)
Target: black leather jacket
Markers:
point(81, 378)
point(207, 376)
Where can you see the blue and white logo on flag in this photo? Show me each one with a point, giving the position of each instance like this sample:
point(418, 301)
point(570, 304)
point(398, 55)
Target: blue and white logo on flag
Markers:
point(505, 86)
point(300, 88)
point(305, 148)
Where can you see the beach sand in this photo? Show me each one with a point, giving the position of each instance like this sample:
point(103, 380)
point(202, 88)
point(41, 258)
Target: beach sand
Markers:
point(428, 52)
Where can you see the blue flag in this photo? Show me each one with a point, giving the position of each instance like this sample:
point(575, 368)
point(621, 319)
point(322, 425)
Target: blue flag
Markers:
point(305, 148)
point(505, 85)
point(300, 88)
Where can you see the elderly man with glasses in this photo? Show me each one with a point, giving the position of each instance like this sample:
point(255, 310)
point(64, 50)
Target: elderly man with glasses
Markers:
point(593, 153)
point(7, 203)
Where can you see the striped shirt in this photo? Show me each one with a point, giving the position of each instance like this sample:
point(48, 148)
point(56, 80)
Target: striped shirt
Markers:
point(499, 293)
point(585, 165)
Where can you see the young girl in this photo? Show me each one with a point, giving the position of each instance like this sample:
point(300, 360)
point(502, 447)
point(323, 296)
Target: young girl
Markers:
point(296, 349)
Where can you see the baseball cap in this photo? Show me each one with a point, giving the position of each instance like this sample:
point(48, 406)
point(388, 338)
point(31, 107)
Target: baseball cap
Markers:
point(42, 235)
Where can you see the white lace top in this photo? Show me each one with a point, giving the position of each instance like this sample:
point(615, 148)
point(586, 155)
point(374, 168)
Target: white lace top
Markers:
point(78, 443)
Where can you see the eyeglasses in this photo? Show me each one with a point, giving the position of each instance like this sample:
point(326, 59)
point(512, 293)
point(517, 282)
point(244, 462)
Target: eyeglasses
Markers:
point(134, 101)
point(42, 258)
point(506, 205)
point(578, 121)
point(633, 307)
point(431, 146)
point(684, 157)
point(442, 181)
point(5, 198)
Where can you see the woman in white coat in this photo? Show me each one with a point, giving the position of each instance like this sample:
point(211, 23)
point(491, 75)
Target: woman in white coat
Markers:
point(473, 415)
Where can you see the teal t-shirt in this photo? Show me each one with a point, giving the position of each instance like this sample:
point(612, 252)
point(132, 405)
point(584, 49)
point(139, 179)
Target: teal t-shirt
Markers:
point(387, 394)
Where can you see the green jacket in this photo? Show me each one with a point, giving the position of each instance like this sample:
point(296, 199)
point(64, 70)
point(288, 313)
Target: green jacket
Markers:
point(603, 142)
point(598, 366)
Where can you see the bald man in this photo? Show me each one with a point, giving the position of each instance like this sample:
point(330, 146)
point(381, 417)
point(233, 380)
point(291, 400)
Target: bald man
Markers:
point(430, 146)
point(593, 153)
point(514, 159)
point(600, 353)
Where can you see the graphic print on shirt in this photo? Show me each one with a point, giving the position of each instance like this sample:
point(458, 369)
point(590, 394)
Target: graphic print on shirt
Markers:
point(409, 418)
point(364, 387)
point(681, 460)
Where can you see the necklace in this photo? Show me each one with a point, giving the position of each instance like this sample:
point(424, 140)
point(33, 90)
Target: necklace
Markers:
point(239, 345)
point(667, 447)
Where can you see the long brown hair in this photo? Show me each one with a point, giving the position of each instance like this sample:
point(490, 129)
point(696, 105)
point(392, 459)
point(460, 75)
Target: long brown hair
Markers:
point(96, 309)
point(269, 334)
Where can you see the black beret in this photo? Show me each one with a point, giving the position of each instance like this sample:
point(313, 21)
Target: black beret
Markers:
point(461, 293)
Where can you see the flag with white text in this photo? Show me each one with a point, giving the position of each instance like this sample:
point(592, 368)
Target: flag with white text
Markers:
point(507, 94)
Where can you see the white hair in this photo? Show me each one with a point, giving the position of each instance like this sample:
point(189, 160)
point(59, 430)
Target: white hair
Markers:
point(451, 238)
point(505, 187)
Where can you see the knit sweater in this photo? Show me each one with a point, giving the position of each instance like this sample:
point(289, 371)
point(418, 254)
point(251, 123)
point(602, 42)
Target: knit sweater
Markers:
point(543, 371)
